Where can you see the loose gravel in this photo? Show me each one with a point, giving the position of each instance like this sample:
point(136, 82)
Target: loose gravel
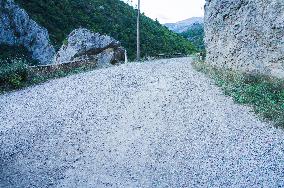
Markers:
point(153, 124)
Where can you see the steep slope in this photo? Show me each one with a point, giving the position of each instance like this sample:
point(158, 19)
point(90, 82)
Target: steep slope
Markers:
point(111, 17)
point(183, 26)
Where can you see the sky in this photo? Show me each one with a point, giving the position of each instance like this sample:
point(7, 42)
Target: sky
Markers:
point(170, 11)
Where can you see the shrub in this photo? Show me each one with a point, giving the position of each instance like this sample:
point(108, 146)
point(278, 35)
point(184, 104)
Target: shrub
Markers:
point(13, 73)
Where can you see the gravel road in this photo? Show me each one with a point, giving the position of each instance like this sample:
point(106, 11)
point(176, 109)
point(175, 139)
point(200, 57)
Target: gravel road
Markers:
point(156, 124)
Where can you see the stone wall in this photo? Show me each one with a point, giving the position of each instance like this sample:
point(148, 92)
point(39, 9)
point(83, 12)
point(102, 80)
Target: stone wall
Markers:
point(51, 69)
point(246, 35)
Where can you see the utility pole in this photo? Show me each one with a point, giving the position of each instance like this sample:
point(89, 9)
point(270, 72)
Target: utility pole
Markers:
point(138, 32)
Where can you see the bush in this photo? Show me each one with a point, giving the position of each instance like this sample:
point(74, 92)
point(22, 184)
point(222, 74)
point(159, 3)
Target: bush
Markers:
point(13, 73)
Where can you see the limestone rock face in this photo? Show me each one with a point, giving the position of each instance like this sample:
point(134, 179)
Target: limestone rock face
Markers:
point(83, 44)
point(16, 28)
point(246, 35)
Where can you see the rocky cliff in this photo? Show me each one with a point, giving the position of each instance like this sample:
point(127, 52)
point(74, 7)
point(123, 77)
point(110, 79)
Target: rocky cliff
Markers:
point(16, 28)
point(246, 35)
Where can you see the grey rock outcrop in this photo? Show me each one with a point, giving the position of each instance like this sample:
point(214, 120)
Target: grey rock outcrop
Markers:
point(83, 44)
point(16, 28)
point(246, 35)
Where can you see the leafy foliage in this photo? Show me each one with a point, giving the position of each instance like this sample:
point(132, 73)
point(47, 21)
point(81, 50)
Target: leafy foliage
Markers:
point(13, 66)
point(13, 73)
point(195, 34)
point(111, 17)
point(263, 93)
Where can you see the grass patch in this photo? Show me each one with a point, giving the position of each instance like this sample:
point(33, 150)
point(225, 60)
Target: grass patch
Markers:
point(265, 94)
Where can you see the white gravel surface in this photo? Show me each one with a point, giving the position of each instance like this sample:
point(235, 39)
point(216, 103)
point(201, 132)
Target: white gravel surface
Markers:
point(158, 124)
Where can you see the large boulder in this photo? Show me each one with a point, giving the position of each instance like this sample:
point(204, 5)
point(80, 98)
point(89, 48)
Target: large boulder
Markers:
point(16, 28)
point(84, 45)
point(246, 35)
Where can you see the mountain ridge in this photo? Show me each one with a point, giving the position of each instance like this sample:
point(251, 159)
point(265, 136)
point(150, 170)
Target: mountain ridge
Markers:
point(184, 25)
point(192, 29)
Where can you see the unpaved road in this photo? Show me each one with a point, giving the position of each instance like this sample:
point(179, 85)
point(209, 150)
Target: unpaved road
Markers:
point(158, 124)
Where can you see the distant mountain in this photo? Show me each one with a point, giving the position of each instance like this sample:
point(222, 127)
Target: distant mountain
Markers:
point(195, 34)
point(183, 26)
point(191, 29)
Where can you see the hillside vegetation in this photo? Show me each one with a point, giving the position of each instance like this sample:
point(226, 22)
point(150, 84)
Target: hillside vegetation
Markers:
point(195, 34)
point(111, 17)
